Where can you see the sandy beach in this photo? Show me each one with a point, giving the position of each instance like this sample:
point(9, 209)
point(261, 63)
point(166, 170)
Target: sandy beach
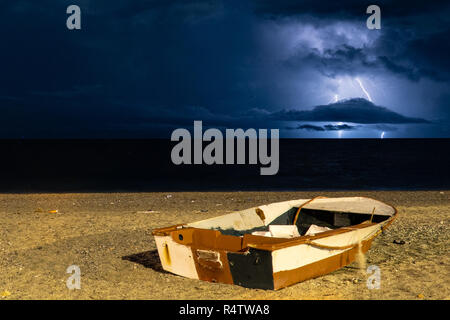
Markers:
point(108, 235)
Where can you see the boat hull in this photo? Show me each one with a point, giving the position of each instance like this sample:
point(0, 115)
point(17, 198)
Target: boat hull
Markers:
point(264, 266)
point(254, 261)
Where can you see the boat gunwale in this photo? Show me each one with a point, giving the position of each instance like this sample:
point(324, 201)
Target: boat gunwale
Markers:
point(272, 243)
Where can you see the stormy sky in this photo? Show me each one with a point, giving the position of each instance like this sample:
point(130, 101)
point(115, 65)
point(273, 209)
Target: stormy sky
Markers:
point(140, 69)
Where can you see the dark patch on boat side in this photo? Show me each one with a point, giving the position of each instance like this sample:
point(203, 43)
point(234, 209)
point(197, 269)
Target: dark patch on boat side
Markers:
point(260, 214)
point(252, 269)
point(238, 233)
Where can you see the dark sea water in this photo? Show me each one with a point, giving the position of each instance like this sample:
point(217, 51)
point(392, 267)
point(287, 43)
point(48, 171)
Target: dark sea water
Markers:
point(145, 165)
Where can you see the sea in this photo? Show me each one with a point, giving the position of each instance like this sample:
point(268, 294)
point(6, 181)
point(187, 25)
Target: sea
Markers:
point(146, 165)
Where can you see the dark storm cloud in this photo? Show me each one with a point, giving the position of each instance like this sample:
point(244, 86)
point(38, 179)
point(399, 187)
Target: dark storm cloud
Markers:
point(356, 110)
point(432, 54)
point(346, 8)
point(384, 127)
point(419, 58)
point(308, 127)
point(327, 127)
point(416, 55)
point(443, 107)
point(338, 127)
point(408, 72)
point(142, 60)
point(140, 68)
point(342, 60)
point(412, 42)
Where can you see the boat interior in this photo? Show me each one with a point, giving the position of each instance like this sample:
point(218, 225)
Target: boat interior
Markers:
point(323, 213)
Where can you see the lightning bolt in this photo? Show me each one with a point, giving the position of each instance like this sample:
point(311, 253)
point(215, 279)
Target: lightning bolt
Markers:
point(335, 99)
point(364, 89)
point(382, 135)
point(340, 131)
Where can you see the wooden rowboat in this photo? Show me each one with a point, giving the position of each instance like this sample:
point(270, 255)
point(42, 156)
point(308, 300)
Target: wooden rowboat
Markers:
point(276, 245)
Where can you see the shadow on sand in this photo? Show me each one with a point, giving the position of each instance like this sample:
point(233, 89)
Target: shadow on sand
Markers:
point(148, 259)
